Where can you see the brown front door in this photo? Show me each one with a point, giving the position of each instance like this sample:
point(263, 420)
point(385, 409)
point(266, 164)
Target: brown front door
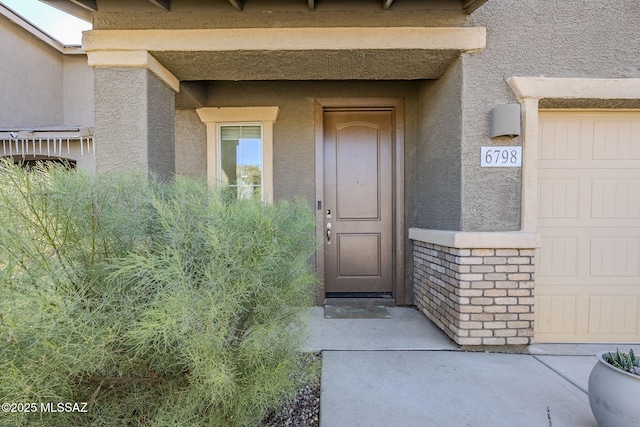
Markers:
point(358, 171)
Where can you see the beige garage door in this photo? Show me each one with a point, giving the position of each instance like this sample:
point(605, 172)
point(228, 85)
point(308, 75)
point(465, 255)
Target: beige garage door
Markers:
point(588, 279)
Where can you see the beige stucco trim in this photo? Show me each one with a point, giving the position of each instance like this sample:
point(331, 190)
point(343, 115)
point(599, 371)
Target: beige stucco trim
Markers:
point(529, 91)
point(477, 240)
point(213, 116)
point(238, 114)
point(529, 208)
point(134, 59)
point(278, 39)
point(572, 88)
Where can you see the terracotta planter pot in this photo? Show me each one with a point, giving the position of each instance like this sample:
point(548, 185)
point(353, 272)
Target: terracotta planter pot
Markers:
point(614, 395)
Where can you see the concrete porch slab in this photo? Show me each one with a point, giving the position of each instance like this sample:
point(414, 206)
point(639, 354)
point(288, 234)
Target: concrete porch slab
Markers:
point(357, 308)
point(408, 329)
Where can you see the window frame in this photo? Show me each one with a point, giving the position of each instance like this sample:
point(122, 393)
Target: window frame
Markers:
point(213, 117)
point(219, 153)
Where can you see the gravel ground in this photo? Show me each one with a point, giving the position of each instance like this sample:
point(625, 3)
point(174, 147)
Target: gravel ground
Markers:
point(303, 410)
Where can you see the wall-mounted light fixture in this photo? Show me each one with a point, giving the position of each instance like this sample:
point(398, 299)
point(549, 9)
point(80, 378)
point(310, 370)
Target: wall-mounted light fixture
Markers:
point(504, 120)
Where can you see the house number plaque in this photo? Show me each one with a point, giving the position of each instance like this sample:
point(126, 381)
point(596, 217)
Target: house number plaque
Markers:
point(496, 157)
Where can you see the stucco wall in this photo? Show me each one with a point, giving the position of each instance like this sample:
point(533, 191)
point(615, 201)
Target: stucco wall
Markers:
point(40, 85)
point(438, 180)
point(134, 122)
point(191, 144)
point(161, 127)
point(31, 85)
point(120, 118)
point(294, 133)
point(77, 91)
point(568, 38)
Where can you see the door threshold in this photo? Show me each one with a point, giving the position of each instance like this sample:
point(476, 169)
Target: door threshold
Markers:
point(359, 301)
point(358, 308)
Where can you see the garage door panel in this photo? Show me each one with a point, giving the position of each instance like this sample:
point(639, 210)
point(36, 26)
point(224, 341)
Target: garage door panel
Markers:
point(557, 257)
point(615, 198)
point(610, 285)
point(584, 255)
point(575, 282)
point(579, 317)
point(606, 223)
point(558, 198)
point(588, 267)
point(556, 314)
point(560, 140)
point(613, 314)
point(565, 195)
point(611, 257)
point(610, 165)
point(616, 139)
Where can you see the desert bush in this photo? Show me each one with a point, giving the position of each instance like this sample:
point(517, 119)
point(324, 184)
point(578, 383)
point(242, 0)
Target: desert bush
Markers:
point(155, 303)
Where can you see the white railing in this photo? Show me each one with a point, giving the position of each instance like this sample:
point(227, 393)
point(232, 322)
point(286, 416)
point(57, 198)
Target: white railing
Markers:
point(48, 142)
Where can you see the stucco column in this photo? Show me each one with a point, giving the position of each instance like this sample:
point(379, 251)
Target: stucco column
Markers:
point(529, 212)
point(134, 114)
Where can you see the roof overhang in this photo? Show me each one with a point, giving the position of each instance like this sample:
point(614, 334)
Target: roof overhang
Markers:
point(371, 53)
point(84, 8)
point(39, 33)
point(77, 9)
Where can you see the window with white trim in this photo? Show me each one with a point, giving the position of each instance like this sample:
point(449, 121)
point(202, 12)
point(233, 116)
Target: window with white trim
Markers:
point(240, 164)
point(240, 149)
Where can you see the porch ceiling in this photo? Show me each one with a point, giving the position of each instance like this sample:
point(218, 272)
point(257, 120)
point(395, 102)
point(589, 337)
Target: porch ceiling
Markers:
point(370, 53)
point(308, 65)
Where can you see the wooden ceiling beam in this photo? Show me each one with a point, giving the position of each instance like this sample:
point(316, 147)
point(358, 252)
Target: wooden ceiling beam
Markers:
point(237, 4)
point(467, 5)
point(163, 4)
point(87, 4)
point(471, 5)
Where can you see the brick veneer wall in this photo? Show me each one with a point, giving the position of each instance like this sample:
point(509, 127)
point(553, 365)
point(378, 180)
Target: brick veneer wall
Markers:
point(478, 297)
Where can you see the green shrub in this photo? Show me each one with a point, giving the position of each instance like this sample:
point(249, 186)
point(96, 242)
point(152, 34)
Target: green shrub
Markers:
point(155, 303)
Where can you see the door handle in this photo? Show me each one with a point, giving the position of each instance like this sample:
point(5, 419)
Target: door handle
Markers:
point(328, 233)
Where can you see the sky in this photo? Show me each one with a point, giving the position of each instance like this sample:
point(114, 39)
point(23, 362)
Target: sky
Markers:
point(65, 28)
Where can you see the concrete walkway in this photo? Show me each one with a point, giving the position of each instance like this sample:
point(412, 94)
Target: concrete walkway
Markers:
point(405, 372)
